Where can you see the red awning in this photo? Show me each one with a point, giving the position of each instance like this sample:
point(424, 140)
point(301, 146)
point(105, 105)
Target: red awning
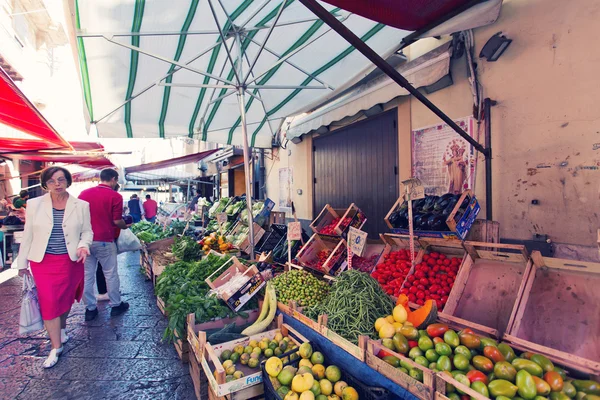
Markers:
point(410, 15)
point(89, 161)
point(18, 145)
point(170, 162)
point(18, 112)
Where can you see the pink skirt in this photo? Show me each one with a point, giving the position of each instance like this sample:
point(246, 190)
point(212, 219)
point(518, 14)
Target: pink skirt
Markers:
point(59, 283)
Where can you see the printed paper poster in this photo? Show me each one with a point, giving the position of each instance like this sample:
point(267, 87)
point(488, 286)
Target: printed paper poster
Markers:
point(285, 189)
point(443, 161)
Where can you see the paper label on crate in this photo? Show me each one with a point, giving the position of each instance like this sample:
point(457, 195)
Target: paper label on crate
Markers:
point(294, 231)
point(245, 293)
point(416, 193)
point(221, 218)
point(357, 241)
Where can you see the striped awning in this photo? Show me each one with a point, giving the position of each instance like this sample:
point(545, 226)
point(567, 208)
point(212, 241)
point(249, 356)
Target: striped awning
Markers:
point(159, 68)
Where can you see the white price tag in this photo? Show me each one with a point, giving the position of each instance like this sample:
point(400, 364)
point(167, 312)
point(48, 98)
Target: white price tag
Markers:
point(294, 231)
point(221, 218)
point(357, 241)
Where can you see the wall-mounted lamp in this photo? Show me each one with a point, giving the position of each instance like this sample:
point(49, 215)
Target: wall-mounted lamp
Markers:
point(494, 47)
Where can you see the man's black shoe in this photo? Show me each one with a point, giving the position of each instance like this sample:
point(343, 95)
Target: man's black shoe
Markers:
point(120, 309)
point(91, 314)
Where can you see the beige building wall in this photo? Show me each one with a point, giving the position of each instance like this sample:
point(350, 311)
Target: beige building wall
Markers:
point(545, 128)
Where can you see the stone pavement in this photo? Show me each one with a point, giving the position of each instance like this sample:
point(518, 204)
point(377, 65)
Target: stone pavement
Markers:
point(108, 358)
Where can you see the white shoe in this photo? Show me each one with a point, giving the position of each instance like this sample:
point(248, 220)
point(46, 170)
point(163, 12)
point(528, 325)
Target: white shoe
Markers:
point(52, 358)
point(64, 338)
point(102, 297)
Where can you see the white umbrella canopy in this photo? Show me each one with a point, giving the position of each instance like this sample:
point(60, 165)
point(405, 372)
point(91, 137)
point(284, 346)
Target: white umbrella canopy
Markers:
point(181, 68)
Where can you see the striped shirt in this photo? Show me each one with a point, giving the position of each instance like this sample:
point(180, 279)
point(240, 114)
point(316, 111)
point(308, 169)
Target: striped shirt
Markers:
point(56, 243)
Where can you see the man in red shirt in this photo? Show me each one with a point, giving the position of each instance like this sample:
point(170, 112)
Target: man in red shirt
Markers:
point(106, 212)
point(150, 208)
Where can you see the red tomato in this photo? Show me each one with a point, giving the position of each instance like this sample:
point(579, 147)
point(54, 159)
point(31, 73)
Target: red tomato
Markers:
point(420, 302)
point(423, 281)
point(434, 254)
point(412, 297)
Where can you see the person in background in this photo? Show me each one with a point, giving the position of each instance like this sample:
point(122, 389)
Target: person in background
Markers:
point(150, 208)
point(56, 241)
point(21, 201)
point(106, 209)
point(194, 201)
point(136, 208)
point(100, 280)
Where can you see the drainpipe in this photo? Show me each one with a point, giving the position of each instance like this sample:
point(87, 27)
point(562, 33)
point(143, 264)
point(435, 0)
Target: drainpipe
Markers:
point(487, 115)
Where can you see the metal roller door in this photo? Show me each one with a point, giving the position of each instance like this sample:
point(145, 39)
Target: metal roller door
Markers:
point(359, 164)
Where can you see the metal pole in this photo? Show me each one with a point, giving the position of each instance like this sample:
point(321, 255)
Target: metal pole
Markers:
point(247, 170)
point(390, 71)
point(487, 115)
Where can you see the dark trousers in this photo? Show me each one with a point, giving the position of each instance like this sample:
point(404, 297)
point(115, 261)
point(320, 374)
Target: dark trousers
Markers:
point(100, 281)
point(136, 217)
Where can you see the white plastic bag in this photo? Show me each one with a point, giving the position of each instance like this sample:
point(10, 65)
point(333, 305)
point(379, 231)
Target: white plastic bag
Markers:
point(127, 241)
point(31, 318)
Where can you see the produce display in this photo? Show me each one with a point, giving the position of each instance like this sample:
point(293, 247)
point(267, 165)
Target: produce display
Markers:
point(433, 278)
point(239, 236)
point(235, 208)
point(257, 207)
point(215, 242)
point(490, 368)
point(213, 226)
point(186, 248)
point(149, 232)
point(330, 228)
point(429, 213)
point(392, 271)
point(364, 264)
point(280, 252)
point(307, 378)
point(354, 302)
point(248, 354)
point(183, 288)
point(218, 207)
point(300, 286)
point(319, 262)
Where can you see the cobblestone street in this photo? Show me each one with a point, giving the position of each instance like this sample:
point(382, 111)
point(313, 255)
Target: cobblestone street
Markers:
point(108, 358)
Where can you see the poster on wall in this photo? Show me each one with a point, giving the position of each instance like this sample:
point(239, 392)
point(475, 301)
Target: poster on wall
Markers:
point(443, 161)
point(285, 189)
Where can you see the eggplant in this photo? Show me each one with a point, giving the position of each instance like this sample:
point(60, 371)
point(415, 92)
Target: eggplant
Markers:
point(402, 222)
point(429, 203)
point(442, 202)
point(418, 204)
point(417, 219)
point(451, 204)
point(423, 224)
point(394, 219)
point(403, 206)
point(438, 223)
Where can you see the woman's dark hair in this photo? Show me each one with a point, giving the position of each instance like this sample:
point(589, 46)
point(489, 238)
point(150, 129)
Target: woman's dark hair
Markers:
point(48, 172)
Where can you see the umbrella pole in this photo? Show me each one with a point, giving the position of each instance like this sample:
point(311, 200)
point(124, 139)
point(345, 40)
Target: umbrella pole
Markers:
point(246, 149)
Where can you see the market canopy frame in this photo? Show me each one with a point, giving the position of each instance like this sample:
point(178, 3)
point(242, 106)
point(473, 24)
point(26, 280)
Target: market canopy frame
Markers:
point(302, 63)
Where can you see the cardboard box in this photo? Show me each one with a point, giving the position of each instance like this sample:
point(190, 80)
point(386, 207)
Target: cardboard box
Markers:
point(246, 291)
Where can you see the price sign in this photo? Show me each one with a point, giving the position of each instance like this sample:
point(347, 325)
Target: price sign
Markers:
point(416, 193)
point(294, 231)
point(221, 218)
point(357, 241)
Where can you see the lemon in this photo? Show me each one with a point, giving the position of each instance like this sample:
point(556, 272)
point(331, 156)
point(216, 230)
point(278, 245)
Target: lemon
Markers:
point(379, 323)
point(399, 314)
point(339, 387)
point(273, 366)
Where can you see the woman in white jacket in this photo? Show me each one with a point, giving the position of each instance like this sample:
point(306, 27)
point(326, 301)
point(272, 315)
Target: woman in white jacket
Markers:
point(58, 234)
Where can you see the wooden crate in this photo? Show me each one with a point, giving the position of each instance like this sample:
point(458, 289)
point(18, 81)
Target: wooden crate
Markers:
point(489, 284)
point(292, 310)
point(160, 244)
point(423, 390)
point(198, 378)
point(249, 289)
point(197, 336)
point(325, 217)
point(146, 263)
point(484, 231)
point(394, 242)
point(161, 306)
point(373, 251)
point(215, 373)
point(357, 351)
point(336, 261)
point(450, 248)
point(558, 312)
point(182, 346)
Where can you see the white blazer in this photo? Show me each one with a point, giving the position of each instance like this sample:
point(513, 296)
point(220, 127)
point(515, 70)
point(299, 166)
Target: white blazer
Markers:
point(77, 228)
